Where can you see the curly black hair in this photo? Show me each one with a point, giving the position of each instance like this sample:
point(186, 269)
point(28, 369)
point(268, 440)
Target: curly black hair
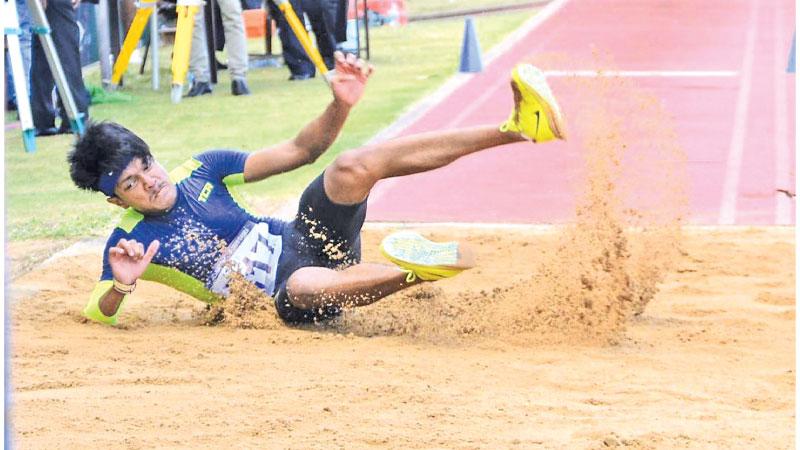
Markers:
point(105, 146)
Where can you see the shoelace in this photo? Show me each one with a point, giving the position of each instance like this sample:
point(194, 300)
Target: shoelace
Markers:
point(410, 275)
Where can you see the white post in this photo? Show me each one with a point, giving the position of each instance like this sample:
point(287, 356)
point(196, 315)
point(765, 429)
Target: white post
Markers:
point(12, 31)
point(154, 45)
point(104, 42)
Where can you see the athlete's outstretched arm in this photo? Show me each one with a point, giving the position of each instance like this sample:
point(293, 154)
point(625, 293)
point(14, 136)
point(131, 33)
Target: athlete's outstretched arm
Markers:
point(128, 260)
point(348, 86)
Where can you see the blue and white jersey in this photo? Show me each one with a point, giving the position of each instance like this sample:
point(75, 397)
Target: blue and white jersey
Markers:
point(207, 233)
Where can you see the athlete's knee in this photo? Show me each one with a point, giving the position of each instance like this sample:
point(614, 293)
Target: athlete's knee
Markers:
point(306, 288)
point(351, 170)
point(299, 294)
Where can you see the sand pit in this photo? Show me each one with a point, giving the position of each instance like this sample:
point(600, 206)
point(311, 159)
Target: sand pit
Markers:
point(623, 329)
point(709, 363)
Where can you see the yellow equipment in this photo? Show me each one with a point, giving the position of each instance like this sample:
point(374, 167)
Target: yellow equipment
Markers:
point(300, 31)
point(186, 10)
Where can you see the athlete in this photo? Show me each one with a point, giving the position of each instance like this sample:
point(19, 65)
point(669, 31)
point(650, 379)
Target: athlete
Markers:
point(189, 229)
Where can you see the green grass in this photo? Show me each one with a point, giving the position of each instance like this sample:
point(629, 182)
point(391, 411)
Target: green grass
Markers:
point(410, 63)
point(436, 6)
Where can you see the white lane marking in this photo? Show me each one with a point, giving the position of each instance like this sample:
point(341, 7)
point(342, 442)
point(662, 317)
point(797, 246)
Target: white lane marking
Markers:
point(479, 102)
point(783, 203)
point(781, 232)
point(733, 170)
point(643, 73)
point(420, 108)
point(521, 32)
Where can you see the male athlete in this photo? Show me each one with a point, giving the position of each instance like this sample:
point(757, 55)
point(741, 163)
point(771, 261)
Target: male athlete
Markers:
point(189, 229)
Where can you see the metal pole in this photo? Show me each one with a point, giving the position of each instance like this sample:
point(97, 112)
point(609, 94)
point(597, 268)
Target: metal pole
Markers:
point(366, 26)
point(42, 28)
point(155, 40)
point(12, 32)
point(104, 42)
point(268, 37)
point(358, 30)
point(211, 38)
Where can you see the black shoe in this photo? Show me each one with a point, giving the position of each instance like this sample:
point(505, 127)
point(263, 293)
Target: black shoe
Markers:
point(300, 76)
point(239, 87)
point(199, 88)
point(66, 128)
point(51, 131)
point(220, 65)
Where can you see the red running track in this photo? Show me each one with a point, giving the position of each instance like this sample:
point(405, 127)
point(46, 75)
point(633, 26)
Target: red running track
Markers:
point(721, 74)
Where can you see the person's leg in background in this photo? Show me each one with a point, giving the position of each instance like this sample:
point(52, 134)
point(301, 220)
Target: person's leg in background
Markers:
point(236, 44)
point(64, 31)
point(198, 57)
point(322, 15)
point(63, 24)
point(300, 67)
point(67, 43)
point(42, 110)
point(340, 29)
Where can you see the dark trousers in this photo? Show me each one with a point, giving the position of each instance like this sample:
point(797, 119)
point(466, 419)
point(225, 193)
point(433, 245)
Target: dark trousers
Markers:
point(64, 31)
point(323, 17)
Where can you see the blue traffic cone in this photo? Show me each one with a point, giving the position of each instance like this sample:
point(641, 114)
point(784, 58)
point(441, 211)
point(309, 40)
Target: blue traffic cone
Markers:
point(470, 49)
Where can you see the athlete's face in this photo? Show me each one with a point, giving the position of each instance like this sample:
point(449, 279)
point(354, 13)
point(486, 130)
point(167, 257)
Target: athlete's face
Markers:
point(145, 186)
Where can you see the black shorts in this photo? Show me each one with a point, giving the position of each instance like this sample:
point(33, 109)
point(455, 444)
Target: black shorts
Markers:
point(322, 234)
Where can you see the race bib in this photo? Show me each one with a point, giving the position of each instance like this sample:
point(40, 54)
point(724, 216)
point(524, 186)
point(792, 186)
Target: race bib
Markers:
point(254, 253)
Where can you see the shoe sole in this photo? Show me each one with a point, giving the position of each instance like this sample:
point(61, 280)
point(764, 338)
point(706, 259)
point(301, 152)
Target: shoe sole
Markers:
point(536, 84)
point(429, 260)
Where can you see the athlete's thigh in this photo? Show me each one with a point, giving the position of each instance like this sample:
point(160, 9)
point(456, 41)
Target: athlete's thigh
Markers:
point(327, 231)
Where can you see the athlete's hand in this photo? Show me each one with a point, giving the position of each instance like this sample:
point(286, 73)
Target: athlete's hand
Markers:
point(350, 79)
point(128, 259)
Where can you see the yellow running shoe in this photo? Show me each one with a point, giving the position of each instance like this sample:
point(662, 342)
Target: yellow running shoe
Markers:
point(424, 259)
point(536, 115)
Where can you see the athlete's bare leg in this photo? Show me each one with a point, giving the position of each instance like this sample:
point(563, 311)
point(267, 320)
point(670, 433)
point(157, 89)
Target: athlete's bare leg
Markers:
point(352, 175)
point(348, 181)
point(358, 285)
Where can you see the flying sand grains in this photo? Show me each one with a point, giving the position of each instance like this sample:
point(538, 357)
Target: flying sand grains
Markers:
point(246, 306)
point(608, 263)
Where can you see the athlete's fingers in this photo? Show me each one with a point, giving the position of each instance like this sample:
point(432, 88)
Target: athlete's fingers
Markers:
point(345, 64)
point(116, 251)
point(139, 250)
point(151, 250)
point(351, 59)
point(129, 246)
point(338, 56)
point(362, 67)
point(340, 61)
point(124, 245)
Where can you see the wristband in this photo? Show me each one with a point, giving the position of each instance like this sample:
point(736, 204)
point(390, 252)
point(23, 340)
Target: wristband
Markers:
point(123, 288)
